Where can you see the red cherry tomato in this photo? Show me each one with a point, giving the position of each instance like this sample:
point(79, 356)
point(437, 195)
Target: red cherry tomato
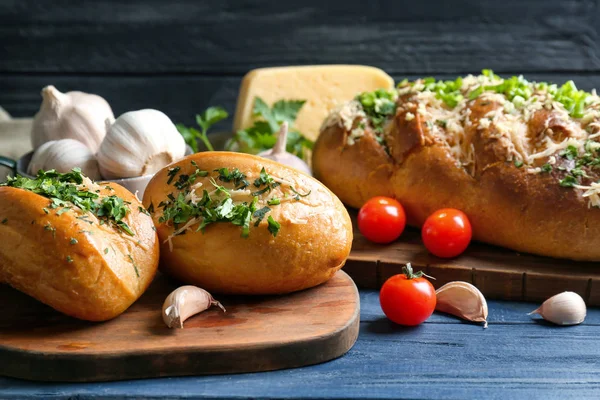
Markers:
point(447, 232)
point(381, 219)
point(407, 299)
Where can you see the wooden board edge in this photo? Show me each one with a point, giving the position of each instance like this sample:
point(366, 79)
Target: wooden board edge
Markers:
point(48, 367)
point(517, 284)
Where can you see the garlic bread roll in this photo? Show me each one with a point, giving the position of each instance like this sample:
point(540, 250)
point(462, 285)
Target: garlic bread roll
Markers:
point(241, 224)
point(520, 158)
point(80, 264)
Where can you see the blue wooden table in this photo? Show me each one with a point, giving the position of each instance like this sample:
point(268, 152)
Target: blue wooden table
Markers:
point(516, 357)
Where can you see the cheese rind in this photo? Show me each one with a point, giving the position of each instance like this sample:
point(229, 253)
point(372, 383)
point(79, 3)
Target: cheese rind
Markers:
point(322, 86)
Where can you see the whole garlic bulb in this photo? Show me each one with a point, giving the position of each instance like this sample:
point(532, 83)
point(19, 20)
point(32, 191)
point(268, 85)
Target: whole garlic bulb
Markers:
point(139, 143)
point(64, 155)
point(71, 115)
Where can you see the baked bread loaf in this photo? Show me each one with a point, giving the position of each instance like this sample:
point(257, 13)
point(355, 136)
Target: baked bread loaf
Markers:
point(87, 250)
point(242, 224)
point(520, 158)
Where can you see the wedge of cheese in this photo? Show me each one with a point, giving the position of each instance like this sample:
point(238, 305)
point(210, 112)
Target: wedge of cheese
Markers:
point(322, 86)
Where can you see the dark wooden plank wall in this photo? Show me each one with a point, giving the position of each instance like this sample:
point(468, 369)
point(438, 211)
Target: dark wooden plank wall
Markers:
point(183, 55)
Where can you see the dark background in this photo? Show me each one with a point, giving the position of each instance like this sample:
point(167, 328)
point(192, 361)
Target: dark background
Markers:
point(181, 56)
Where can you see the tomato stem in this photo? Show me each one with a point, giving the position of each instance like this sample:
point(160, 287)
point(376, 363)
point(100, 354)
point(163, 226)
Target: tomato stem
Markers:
point(410, 274)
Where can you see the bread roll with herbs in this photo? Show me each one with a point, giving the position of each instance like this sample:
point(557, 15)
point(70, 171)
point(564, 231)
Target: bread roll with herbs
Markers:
point(89, 250)
point(242, 224)
point(520, 158)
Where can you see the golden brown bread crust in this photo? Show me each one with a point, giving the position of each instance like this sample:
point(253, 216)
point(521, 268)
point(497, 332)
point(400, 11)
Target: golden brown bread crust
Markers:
point(93, 279)
point(507, 206)
point(313, 243)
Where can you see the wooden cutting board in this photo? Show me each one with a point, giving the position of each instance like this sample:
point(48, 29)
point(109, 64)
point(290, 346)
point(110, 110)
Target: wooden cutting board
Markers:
point(499, 273)
point(256, 334)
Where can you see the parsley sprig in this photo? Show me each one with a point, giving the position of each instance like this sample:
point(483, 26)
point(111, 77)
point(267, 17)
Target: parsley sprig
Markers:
point(67, 190)
point(205, 121)
point(262, 135)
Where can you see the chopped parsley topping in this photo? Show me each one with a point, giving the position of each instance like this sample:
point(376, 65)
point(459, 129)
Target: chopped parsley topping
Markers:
point(578, 172)
point(568, 181)
point(298, 195)
point(186, 181)
point(73, 241)
point(137, 272)
point(143, 210)
point(516, 89)
point(518, 163)
point(274, 226)
point(69, 259)
point(447, 91)
point(4, 221)
point(106, 250)
point(260, 215)
point(235, 176)
point(67, 190)
point(570, 152)
point(546, 168)
point(185, 208)
point(51, 229)
point(171, 174)
point(379, 105)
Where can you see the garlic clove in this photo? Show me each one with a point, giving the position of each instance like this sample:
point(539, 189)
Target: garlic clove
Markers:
point(462, 300)
point(566, 308)
point(64, 155)
point(184, 302)
point(139, 143)
point(279, 154)
point(72, 115)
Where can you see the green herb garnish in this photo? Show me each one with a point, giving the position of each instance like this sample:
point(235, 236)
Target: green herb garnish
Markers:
point(262, 135)
point(205, 121)
point(113, 208)
point(570, 152)
point(274, 226)
point(546, 168)
point(518, 163)
point(143, 210)
point(73, 241)
point(379, 106)
point(171, 174)
point(69, 259)
point(235, 176)
point(260, 215)
point(4, 221)
point(63, 210)
point(516, 89)
point(218, 205)
point(568, 181)
point(67, 190)
point(299, 194)
point(274, 201)
point(134, 265)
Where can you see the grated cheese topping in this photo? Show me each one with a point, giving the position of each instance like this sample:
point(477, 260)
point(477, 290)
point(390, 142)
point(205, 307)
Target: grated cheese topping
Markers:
point(535, 124)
